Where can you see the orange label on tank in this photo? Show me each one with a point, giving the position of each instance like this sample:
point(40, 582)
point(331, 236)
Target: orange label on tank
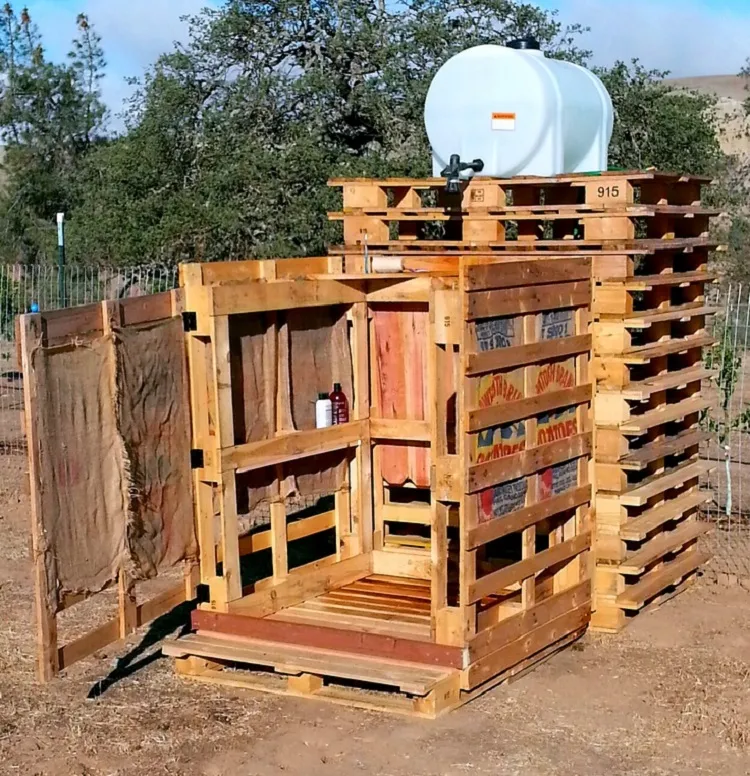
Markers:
point(503, 122)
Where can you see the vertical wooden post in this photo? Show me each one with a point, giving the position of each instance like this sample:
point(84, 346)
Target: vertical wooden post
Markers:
point(467, 558)
point(361, 411)
point(528, 536)
point(224, 414)
point(48, 664)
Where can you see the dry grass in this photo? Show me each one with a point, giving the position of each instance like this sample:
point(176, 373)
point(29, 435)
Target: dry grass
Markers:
point(665, 698)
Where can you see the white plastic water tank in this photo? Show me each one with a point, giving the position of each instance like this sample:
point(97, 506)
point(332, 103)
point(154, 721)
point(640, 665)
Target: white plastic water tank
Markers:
point(519, 112)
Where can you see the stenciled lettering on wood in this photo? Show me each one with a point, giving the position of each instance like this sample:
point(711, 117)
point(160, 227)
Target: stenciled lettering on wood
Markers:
point(556, 426)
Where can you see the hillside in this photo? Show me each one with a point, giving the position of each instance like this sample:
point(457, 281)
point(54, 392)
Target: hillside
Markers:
point(730, 90)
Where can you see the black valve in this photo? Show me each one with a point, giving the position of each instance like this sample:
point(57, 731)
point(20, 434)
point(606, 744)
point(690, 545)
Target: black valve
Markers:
point(453, 172)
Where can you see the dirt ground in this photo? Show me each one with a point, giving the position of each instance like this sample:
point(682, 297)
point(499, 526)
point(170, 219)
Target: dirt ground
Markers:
point(669, 696)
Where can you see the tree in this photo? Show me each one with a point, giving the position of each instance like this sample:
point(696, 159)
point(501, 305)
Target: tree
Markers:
point(50, 117)
point(231, 138)
point(658, 126)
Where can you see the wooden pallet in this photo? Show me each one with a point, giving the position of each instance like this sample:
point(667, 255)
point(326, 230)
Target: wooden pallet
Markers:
point(425, 691)
point(649, 334)
point(397, 214)
point(344, 679)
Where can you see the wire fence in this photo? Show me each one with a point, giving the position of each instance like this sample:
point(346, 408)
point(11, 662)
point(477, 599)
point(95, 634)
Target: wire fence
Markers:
point(728, 423)
point(26, 288)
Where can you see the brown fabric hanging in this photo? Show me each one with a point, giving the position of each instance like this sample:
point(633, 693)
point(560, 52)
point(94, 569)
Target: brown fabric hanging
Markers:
point(154, 423)
point(82, 481)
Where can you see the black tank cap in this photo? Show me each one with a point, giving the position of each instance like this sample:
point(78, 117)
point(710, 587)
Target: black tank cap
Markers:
point(529, 43)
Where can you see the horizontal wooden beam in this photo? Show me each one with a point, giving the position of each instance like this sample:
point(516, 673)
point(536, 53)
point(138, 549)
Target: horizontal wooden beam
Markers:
point(500, 415)
point(523, 518)
point(521, 355)
point(514, 301)
point(482, 276)
point(299, 529)
point(400, 430)
point(492, 473)
point(517, 626)
point(255, 297)
point(497, 581)
point(528, 644)
point(637, 596)
point(297, 444)
point(109, 633)
point(328, 638)
point(302, 584)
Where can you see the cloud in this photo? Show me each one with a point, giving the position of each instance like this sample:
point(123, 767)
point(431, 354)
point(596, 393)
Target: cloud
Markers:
point(686, 37)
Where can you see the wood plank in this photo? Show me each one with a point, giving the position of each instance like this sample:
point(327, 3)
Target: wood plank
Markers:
point(645, 353)
point(517, 626)
point(636, 596)
point(139, 310)
point(293, 445)
point(286, 658)
point(299, 529)
point(661, 545)
point(639, 495)
point(664, 414)
point(400, 430)
point(491, 473)
point(684, 312)
point(682, 378)
point(498, 581)
point(489, 417)
point(61, 326)
point(330, 638)
point(523, 518)
point(638, 528)
point(553, 296)
point(255, 297)
point(504, 274)
point(647, 282)
point(301, 584)
point(45, 636)
point(94, 640)
point(522, 355)
point(530, 643)
point(161, 604)
point(663, 448)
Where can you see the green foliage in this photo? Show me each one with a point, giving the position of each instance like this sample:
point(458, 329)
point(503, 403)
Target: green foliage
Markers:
point(231, 138)
point(657, 126)
point(50, 117)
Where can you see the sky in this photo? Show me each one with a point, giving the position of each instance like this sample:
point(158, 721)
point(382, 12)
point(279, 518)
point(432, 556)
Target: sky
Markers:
point(686, 37)
point(134, 33)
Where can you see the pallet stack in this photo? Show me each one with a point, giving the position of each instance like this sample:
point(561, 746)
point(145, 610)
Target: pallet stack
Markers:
point(648, 236)
point(649, 333)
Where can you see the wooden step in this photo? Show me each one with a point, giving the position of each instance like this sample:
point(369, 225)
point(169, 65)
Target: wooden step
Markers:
point(412, 678)
point(636, 596)
point(667, 413)
point(638, 528)
point(663, 448)
point(662, 545)
point(640, 494)
point(647, 282)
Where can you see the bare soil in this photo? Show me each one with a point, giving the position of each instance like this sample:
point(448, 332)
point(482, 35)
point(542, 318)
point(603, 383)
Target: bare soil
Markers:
point(669, 696)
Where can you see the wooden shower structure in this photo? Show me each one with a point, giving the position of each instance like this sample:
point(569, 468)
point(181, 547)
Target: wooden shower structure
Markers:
point(523, 365)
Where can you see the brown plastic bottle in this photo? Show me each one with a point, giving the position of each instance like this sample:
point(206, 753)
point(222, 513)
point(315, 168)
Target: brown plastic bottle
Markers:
point(340, 405)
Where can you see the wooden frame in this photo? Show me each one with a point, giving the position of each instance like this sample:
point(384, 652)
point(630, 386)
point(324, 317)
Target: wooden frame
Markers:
point(60, 328)
point(481, 641)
